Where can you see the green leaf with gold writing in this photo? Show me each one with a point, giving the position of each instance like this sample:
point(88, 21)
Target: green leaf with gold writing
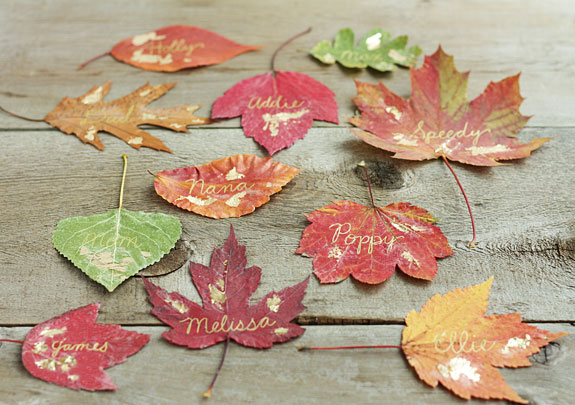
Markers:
point(114, 246)
point(376, 49)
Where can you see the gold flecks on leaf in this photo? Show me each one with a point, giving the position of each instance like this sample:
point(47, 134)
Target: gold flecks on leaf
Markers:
point(281, 331)
point(218, 296)
point(39, 347)
point(52, 332)
point(179, 306)
point(274, 303)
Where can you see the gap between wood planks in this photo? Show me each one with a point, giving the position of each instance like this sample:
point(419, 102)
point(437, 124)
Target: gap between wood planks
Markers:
point(151, 128)
point(304, 321)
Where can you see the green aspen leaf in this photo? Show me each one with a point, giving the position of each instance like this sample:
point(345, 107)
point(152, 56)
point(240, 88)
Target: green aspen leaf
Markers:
point(109, 248)
point(114, 246)
point(376, 49)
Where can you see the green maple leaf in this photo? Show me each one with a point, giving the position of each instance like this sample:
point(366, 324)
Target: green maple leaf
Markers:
point(376, 49)
point(111, 247)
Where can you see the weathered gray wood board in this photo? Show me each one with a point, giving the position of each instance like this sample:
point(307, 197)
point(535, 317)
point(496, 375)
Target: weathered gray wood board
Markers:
point(524, 217)
point(43, 42)
point(525, 212)
point(165, 373)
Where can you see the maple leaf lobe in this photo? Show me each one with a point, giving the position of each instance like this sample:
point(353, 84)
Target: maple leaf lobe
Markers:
point(225, 288)
point(439, 121)
point(346, 238)
point(86, 115)
point(278, 109)
point(451, 341)
point(72, 350)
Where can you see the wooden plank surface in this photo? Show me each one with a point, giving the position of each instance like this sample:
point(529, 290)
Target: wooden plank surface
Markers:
point(164, 373)
point(524, 211)
point(44, 41)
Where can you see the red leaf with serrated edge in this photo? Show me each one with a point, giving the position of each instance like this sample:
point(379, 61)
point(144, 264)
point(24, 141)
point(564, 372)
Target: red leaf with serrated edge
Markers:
point(72, 350)
point(225, 288)
point(277, 110)
point(346, 238)
point(438, 120)
point(451, 341)
point(228, 187)
point(177, 47)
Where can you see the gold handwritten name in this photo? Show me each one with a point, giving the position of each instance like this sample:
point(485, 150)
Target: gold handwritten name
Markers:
point(225, 325)
point(450, 134)
point(176, 46)
point(270, 102)
point(369, 240)
point(98, 240)
point(223, 189)
point(96, 115)
point(59, 345)
point(459, 342)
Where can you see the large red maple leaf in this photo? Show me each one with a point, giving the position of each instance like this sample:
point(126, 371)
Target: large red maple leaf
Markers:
point(225, 288)
point(438, 121)
point(72, 350)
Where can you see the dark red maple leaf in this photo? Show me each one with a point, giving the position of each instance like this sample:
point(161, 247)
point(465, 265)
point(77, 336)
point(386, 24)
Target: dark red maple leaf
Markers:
point(72, 350)
point(225, 288)
point(277, 108)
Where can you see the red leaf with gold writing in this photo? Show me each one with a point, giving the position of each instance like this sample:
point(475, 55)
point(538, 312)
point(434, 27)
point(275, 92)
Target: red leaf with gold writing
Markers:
point(346, 238)
point(176, 47)
point(438, 120)
point(228, 187)
point(277, 109)
point(72, 350)
point(225, 288)
point(451, 341)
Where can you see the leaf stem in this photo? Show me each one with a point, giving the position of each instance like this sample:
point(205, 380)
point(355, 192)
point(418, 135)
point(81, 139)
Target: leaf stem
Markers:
point(83, 65)
point(20, 116)
point(208, 393)
point(284, 44)
point(306, 348)
point(123, 180)
point(12, 341)
point(362, 164)
point(472, 243)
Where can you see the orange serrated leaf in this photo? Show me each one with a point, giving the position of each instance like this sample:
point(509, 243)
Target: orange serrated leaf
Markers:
point(86, 115)
point(176, 47)
point(228, 187)
point(453, 342)
point(438, 120)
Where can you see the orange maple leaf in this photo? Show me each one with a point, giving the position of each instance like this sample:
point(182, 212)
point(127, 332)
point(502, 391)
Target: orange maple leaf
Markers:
point(228, 187)
point(453, 342)
point(84, 116)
